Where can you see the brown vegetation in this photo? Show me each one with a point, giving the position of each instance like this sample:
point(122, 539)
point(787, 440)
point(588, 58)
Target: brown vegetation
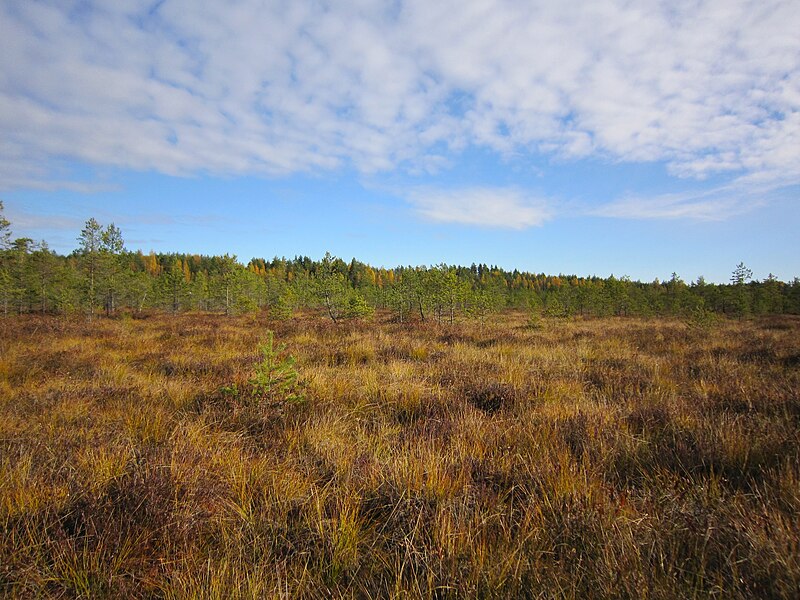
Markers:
point(609, 458)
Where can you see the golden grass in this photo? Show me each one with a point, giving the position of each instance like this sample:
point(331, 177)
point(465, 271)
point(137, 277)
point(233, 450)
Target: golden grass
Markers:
point(609, 458)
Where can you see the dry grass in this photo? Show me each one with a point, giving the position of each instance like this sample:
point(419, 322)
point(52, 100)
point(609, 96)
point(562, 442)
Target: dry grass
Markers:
point(584, 459)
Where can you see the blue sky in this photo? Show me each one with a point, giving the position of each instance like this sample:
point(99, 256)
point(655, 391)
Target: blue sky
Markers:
point(590, 138)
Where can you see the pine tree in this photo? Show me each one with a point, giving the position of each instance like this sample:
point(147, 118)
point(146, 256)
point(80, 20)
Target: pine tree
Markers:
point(740, 298)
point(44, 266)
point(331, 287)
point(5, 230)
point(111, 249)
point(741, 274)
point(174, 283)
point(23, 279)
point(90, 241)
point(6, 283)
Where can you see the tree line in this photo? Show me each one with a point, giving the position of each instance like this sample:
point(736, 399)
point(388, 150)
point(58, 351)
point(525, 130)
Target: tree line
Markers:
point(102, 277)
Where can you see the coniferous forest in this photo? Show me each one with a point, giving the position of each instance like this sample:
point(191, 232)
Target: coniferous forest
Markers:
point(102, 277)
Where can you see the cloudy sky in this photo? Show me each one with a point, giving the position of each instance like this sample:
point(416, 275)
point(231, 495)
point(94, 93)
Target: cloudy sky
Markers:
point(635, 138)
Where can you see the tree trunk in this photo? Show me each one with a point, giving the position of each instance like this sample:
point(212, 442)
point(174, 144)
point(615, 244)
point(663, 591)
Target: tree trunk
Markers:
point(91, 290)
point(329, 306)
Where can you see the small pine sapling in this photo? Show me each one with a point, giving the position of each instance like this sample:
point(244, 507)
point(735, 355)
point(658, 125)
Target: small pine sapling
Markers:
point(701, 318)
point(275, 377)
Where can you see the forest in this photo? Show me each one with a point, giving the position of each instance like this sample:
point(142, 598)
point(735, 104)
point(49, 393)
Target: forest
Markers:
point(102, 277)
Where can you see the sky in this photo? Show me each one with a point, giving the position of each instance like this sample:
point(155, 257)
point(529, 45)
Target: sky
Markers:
point(592, 138)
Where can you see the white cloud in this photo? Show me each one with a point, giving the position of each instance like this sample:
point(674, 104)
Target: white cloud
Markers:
point(716, 204)
point(710, 86)
point(29, 221)
point(49, 222)
point(483, 207)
